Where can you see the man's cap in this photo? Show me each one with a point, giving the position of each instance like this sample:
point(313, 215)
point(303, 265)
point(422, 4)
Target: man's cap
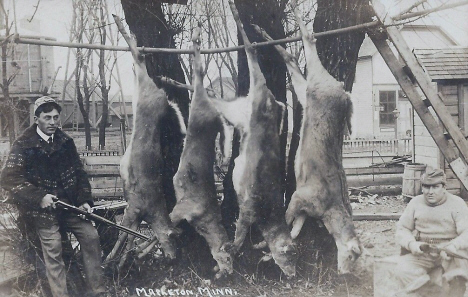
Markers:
point(433, 177)
point(43, 100)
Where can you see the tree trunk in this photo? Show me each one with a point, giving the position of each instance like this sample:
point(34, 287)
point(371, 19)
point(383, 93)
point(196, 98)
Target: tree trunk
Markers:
point(339, 53)
point(82, 63)
point(85, 106)
point(103, 84)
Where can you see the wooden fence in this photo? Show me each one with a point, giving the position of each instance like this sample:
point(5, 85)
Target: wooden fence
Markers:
point(390, 146)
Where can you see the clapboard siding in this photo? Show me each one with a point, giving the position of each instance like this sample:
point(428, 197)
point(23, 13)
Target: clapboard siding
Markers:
point(362, 120)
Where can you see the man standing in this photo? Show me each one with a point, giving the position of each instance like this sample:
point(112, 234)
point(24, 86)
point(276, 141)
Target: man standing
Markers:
point(44, 165)
point(440, 219)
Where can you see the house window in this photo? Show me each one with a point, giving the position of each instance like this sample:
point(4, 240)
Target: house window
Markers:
point(387, 101)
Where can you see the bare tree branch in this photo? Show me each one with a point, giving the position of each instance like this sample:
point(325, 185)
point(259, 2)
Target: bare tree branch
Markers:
point(35, 10)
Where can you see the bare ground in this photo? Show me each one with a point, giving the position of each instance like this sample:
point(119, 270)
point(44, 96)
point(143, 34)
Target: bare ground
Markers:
point(153, 274)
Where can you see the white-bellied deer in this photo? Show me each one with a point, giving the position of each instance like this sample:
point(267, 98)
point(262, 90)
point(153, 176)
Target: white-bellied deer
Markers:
point(141, 165)
point(321, 190)
point(194, 182)
point(256, 175)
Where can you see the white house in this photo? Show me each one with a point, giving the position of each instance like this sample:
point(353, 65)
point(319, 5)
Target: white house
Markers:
point(377, 98)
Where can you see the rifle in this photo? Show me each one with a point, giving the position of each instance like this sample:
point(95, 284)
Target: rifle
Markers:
point(96, 218)
point(430, 248)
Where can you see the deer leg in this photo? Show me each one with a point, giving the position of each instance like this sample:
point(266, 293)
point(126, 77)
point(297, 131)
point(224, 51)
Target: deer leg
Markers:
point(131, 221)
point(298, 80)
point(128, 247)
point(256, 75)
point(143, 249)
point(310, 50)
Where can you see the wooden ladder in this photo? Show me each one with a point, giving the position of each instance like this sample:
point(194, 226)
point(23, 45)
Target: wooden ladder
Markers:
point(408, 70)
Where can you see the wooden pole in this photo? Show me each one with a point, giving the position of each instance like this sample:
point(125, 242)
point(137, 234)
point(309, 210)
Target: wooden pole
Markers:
point(234, 48)
point(188, 51)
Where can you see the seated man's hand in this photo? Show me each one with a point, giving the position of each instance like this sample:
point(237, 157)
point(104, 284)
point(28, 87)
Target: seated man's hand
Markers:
point(48, 201)
point(450, 248)
point(415, 248)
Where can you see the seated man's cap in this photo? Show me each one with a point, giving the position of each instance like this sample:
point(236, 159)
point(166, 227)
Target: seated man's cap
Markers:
point(433, 177)
point(43, 100)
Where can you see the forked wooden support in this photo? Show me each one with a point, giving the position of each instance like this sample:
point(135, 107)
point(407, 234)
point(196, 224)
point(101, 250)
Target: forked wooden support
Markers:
point(458, 164)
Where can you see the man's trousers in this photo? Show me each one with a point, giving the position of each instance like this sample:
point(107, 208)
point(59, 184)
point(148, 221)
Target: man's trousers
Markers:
point(87, 236)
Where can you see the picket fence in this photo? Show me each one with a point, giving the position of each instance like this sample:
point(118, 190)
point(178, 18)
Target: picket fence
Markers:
point(382, 146)
point(397, 147)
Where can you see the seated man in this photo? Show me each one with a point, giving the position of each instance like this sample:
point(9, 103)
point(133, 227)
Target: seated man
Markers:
point(44, 165)
point(440, 219)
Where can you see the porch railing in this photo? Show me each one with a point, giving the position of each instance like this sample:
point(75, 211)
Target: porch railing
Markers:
point(401, 146)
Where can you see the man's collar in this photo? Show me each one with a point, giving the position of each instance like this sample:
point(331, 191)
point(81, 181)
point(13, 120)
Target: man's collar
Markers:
point(30, 138)
point(43, 135)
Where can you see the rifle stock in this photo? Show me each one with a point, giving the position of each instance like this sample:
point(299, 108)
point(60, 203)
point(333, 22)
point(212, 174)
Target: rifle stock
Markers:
point(96, 218)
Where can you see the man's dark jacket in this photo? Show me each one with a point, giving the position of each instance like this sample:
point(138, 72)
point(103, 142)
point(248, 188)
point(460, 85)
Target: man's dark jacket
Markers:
point(35, 168)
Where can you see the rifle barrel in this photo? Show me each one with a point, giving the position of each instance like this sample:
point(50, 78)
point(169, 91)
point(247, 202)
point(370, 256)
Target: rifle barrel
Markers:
point(97, 218)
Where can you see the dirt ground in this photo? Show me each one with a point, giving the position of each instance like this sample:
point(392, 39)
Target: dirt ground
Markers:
point(377, 237)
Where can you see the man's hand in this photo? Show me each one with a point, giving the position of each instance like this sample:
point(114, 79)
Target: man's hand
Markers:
point(451, 248)
point(85, 206)
point(415, 248)
point(48, 201)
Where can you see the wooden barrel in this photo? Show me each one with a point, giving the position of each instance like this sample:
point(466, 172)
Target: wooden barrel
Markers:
point(412, 179)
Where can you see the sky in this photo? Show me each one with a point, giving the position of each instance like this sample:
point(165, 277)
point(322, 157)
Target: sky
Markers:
point(53, 19)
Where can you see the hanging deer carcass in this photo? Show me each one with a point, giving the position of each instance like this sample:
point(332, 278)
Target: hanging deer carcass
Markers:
point(141, 165)
point(321, 190)
point(256, 175)
point(194, 182)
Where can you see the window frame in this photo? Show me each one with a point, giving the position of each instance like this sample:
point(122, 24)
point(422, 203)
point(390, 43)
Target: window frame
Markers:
point(388, 113)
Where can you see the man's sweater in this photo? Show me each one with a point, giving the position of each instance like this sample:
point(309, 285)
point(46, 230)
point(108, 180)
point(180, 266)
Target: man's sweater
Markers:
point(446, 221)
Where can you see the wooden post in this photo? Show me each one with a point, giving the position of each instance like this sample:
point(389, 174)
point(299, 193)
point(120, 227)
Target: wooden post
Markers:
point(456, 163)
point(123, 136)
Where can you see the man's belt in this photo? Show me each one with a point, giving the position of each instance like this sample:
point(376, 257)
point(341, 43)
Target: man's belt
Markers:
point(432, 240)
